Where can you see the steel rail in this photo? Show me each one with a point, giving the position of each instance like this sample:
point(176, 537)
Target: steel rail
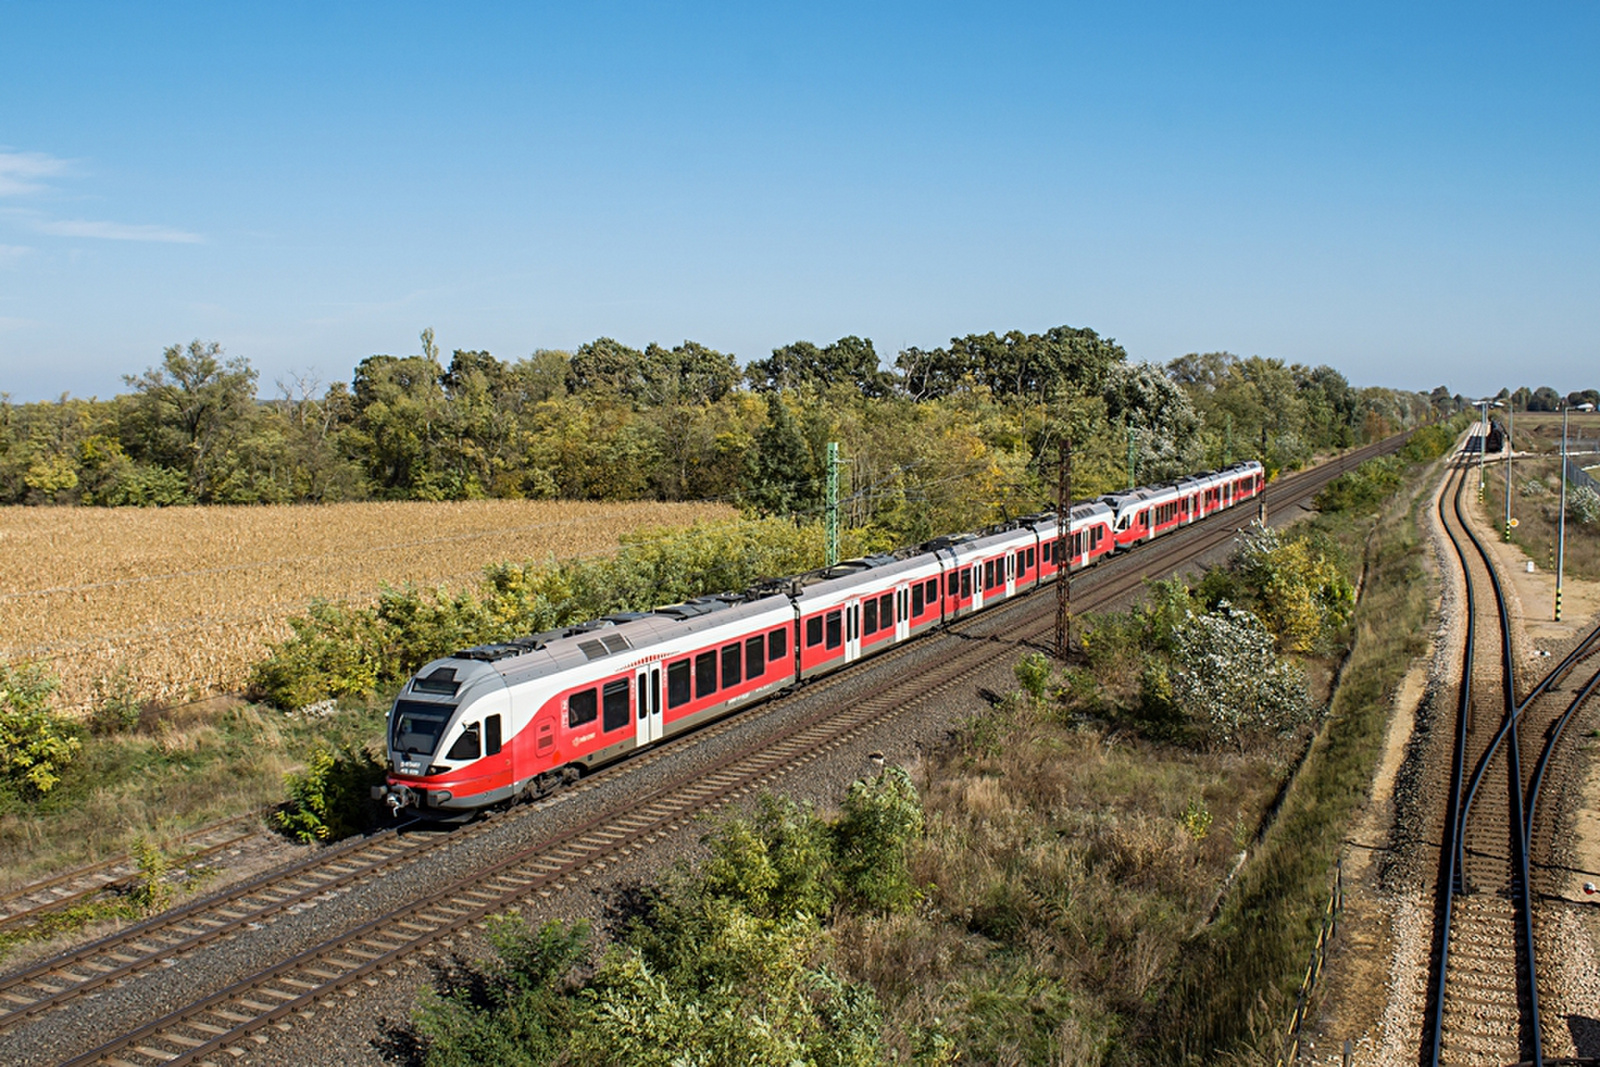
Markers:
point(1460, 813)
point(1453, 819)
point(118, 869)
point(1550, 747)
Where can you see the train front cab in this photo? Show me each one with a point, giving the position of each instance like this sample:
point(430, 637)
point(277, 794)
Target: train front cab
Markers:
point(447, 735)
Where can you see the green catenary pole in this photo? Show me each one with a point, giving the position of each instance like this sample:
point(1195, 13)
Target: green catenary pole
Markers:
point(832, 543)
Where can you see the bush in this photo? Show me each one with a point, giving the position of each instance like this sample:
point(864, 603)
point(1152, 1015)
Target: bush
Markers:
point(36, 745)
point(1362, 490)
point(1229, 681)
point(1584, 503)
point(1297, 587)
point(117, 707)
point(1033, 674)
point(150, 890)
point(1430, 442)
point(722, 967)
point(332, 797)
point(517, 1010)
point(882, 817)
point(777, 865)
point(342, 651)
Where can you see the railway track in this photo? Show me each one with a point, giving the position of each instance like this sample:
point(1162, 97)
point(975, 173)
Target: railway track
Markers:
point(192, 1032)
point(1487, 982)
point(25, 907)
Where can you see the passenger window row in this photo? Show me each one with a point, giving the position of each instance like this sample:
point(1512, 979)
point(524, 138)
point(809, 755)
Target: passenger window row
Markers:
point(731, 664)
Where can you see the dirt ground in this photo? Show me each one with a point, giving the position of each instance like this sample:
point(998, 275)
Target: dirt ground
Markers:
point(1373, 990)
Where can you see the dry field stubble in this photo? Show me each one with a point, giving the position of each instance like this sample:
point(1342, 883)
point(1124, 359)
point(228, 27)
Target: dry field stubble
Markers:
point(184, 600)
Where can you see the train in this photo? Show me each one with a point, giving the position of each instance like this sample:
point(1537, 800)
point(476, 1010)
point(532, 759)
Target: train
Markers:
point(516, 719)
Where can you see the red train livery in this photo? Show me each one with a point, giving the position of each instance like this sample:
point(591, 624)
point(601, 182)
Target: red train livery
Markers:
point(487, 724)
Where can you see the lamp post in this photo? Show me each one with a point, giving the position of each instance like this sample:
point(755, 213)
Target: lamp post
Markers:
point(1561, 515)
point(1511, 428)
point(1483, 442)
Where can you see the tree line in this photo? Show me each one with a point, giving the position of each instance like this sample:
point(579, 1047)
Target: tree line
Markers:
point(945, 438)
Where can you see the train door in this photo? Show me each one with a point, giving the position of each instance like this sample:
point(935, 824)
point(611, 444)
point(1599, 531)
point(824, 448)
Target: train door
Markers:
point(852, 630)
point(1013, 562)
point(902, 615)
point(977, 586)
point(647, 707)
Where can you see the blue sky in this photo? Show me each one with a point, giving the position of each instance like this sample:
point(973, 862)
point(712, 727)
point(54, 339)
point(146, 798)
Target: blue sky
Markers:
point(1405, 192)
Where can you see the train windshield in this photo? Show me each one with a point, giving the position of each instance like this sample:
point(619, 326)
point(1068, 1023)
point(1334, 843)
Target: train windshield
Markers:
point(417, 727)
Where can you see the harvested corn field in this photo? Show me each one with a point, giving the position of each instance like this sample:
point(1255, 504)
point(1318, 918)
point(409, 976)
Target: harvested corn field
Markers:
point(183, 600)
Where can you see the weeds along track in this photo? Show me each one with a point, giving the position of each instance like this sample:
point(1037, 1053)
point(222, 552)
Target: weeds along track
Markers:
point(24, 907)
point(550, 863)
point(1487, 981)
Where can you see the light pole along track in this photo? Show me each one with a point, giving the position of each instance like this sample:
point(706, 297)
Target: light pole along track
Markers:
point(221, 1019)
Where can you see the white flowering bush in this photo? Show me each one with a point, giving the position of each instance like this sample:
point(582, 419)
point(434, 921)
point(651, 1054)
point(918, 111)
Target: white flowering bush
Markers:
point(1584, 504)
point(1227, 680)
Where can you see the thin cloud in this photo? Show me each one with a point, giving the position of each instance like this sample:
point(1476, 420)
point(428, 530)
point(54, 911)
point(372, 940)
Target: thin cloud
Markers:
point(10, 254)
point(116, 231)
point(20, 171)
point(25, 172)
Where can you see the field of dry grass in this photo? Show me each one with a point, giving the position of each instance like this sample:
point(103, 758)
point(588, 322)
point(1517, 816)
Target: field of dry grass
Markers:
point(184, 600)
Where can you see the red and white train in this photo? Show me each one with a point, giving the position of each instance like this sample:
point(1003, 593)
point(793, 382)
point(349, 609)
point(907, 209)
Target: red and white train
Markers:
point(486, 724)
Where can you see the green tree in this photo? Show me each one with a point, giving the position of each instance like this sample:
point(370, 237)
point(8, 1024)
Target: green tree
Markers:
point(190, 411)
point(400, 427)
point(850, 361)
point(784, 480)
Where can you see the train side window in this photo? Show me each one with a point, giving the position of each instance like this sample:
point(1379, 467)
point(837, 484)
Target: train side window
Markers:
point(869, 621)
point(835, 635)
point(614, 705)
point(491, 735)
point(814, 632)
point(731, 664)
point(1030, 559)
point(966, 583)
point(705, 674)
point(777, 645)
point(931, 591)
point(755, 660)
point(916, 600)
point(678, 684)
point(581, 708)
point(886, 609)
point(466, 746)
point(988, 574)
